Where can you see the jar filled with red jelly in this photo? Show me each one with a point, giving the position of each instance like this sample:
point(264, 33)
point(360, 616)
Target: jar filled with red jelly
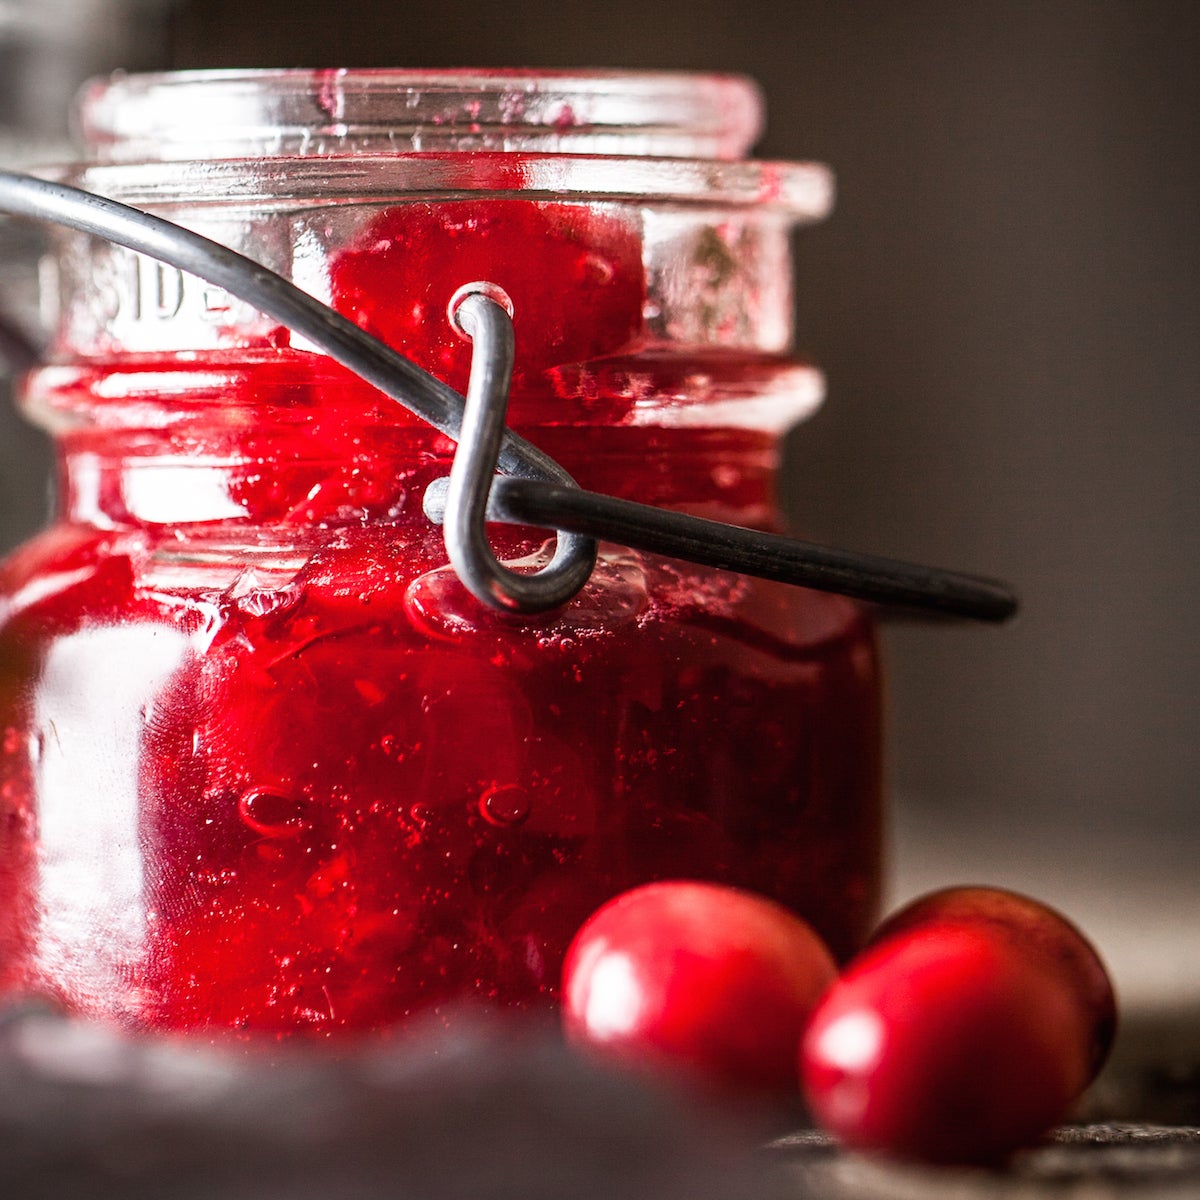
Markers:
point(265, 764)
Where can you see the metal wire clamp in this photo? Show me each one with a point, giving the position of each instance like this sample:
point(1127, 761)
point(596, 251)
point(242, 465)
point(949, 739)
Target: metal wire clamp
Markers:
point(460, 501)
point(473, 494)
point(535, 490)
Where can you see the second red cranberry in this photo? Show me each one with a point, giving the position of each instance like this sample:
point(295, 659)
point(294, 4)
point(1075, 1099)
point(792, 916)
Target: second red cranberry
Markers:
point(944, 1044)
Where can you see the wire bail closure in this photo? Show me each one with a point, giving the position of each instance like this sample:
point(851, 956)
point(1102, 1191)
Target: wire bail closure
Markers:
point(473, 493)
point(460, 501)
point(533, 489)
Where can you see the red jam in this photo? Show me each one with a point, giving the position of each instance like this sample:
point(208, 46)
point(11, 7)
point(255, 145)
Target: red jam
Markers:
point(265, 765)
point(578, 295)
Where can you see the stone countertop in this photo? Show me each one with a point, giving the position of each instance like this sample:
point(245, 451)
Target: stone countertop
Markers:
point(1132, 1161)
point(503, 1112)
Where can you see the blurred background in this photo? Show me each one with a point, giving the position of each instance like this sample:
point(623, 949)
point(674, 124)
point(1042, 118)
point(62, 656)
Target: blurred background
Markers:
point(1007, 306)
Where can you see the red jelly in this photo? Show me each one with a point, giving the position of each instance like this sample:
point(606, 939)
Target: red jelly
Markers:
point(264, 764)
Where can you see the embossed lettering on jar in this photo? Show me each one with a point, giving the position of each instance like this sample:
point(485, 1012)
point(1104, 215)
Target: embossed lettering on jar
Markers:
point(265, 764)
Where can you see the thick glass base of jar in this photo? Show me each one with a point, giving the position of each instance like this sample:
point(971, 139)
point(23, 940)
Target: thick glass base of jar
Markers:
point(303, 781)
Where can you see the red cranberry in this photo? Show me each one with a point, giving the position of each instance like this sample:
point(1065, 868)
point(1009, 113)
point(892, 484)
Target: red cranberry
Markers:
point(944, 1044)
point(696, 976)
point(1035, 930)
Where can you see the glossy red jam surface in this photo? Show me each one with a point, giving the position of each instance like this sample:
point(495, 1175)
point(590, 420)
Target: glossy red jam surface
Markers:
point(264, 765)
point(577, 291)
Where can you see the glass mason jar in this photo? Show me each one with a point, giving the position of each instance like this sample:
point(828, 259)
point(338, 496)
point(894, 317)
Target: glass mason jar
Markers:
point(266, 765)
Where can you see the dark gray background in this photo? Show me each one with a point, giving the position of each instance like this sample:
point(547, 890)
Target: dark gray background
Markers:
point(1006, 305)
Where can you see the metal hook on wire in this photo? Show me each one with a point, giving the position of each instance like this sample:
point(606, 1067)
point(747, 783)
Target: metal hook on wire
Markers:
point(535, 490)
point(473, 494)
point(393, 374)
point(461, 501)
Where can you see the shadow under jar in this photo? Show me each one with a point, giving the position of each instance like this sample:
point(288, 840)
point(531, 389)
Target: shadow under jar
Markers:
point(264, 763)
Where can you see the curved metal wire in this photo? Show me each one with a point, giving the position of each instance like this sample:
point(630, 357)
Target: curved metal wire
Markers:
point(539, 491)
point(473, 494)
point(392, 373)
point(489, 326)
point(748, 551)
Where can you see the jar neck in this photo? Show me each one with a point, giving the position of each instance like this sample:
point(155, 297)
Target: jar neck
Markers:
point(295, 440)
point(278, 479)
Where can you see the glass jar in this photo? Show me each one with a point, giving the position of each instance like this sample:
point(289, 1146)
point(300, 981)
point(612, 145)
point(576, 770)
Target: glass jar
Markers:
point(266, 765)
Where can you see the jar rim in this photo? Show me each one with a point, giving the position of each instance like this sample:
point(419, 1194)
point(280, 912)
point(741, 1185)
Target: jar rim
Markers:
point(209, 115)
point(800, 192)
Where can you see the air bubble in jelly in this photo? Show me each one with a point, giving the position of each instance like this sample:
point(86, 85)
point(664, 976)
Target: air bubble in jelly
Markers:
point(505, 804)
point(272, 814)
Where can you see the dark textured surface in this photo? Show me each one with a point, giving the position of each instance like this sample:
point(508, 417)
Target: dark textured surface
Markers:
point(501, 1115)
point(1087, 1162)
point(494, 1113)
